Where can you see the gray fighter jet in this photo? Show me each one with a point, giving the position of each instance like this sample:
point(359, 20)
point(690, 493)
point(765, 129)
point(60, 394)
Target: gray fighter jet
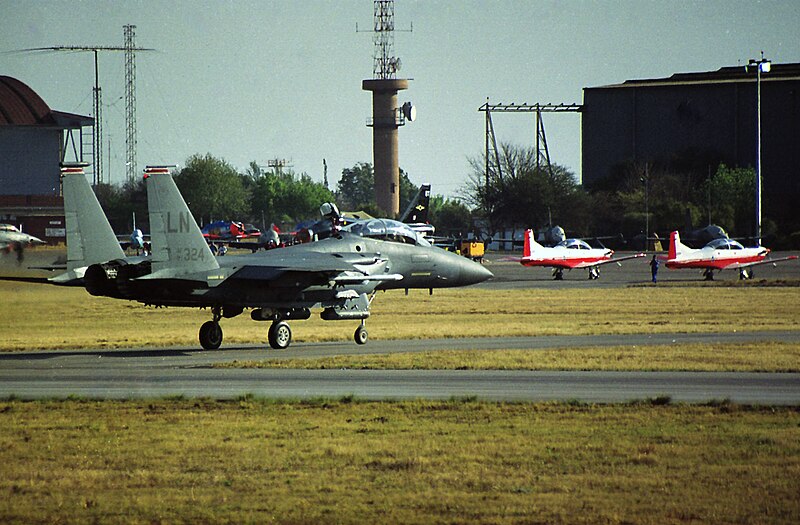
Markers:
point(339, 274)
point(13, 240)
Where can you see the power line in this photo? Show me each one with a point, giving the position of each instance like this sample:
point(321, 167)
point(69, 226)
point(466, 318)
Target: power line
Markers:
point(130, 101)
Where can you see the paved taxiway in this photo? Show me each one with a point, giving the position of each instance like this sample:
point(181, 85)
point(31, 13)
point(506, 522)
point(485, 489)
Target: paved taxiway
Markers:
point(142, 373)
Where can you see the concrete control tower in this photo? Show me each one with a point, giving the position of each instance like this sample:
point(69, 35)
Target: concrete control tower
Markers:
point(386, 115)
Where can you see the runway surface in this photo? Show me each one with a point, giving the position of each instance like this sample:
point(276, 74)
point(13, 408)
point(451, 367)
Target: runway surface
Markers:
point(145, 373)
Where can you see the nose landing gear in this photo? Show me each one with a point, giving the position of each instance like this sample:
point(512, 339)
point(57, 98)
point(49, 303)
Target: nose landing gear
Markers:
point(361, 335)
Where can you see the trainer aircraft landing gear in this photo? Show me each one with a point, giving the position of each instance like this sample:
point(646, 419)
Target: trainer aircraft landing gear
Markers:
point(361, 335)
point(745, 273)
point(594, 273)
point(708, 274)
point(280, 335)
point(558, 274)
point(211, 332)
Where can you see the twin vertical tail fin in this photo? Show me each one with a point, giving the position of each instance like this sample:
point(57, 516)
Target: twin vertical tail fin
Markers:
point(178, 243)
point(90, 239)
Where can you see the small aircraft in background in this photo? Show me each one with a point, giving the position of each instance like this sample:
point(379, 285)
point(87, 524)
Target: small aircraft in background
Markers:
point(12, 239)
point(229, 230)
point(568, 254)
point(719, 254)
point(137, 240)
point(416, 213)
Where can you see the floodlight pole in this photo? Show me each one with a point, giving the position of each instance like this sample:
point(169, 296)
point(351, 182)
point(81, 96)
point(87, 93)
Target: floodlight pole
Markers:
point(760, 65)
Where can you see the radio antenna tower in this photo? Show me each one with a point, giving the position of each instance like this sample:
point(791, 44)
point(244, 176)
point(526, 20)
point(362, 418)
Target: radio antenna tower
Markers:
point(130, 102)
point(385, 64)
point(386, 116)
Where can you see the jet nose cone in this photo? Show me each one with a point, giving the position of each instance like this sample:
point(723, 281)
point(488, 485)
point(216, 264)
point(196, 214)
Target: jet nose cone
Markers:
point(471, 272)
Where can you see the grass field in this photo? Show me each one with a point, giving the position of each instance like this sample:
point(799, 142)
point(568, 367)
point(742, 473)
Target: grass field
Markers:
point(250, 461)
point(45, 317)
point(462, 461)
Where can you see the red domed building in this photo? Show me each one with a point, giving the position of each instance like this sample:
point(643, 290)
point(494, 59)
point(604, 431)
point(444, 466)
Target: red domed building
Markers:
point(34, 141)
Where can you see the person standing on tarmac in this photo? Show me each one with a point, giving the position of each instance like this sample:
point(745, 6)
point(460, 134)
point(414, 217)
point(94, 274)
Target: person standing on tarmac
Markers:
point(654, 267)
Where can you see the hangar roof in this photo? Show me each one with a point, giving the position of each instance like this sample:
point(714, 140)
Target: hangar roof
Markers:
point(722, 75)
point(21, 106)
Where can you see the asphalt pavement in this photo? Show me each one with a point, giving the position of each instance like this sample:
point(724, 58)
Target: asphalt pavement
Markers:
point(148, 373)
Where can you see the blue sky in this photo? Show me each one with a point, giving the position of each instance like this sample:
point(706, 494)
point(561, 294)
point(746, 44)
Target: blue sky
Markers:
point(257, 80)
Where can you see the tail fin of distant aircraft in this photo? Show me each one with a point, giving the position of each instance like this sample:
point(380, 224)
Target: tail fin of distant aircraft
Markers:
point(530, 244)
point(417, 210)
point(676, 247)
point(177, 241)
point(90, 239)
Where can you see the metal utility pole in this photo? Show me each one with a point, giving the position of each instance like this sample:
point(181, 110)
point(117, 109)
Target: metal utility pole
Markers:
point(762, 66)
point(130, 100)
point(542, 152)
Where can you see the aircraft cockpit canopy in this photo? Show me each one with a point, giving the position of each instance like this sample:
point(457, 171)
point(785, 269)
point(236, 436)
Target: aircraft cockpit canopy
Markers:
point(387, 230)
point(725, 244)
point(575, 244)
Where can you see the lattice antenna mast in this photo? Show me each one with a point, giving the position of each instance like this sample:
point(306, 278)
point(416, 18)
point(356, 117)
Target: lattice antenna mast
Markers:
point(130, 102)
point(385, 64)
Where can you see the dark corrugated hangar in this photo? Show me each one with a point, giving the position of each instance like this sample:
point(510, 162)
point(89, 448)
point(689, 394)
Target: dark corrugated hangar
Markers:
point(708, 117)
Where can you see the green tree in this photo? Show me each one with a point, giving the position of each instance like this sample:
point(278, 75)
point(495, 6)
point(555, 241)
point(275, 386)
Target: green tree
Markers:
point(120, 203)
point(356, 188)
point(283, 197)
point(449, 216)
point(212, 188)
point(526, 195)
point(731, 194)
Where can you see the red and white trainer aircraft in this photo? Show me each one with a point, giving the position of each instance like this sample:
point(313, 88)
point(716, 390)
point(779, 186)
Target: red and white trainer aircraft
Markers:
point(718, 254)
point(566, 255)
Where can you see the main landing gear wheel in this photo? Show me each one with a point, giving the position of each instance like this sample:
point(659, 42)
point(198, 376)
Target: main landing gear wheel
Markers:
point(746, 273)
point(558, 274)
point(708, 274)
point(210, 335)
point(361, 335)
point(280, 335)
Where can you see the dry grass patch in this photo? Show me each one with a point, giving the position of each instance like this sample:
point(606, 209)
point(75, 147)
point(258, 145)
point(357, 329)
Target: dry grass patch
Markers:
point(407, 462)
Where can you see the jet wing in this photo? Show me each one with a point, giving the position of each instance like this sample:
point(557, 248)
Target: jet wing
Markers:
point(331, 269)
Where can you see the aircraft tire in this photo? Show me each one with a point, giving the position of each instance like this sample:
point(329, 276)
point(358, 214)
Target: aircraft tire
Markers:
point(210, 335)
point(280, 335)
point(361, 335)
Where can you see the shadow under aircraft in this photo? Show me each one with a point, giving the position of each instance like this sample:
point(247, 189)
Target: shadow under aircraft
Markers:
point(339, 274)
